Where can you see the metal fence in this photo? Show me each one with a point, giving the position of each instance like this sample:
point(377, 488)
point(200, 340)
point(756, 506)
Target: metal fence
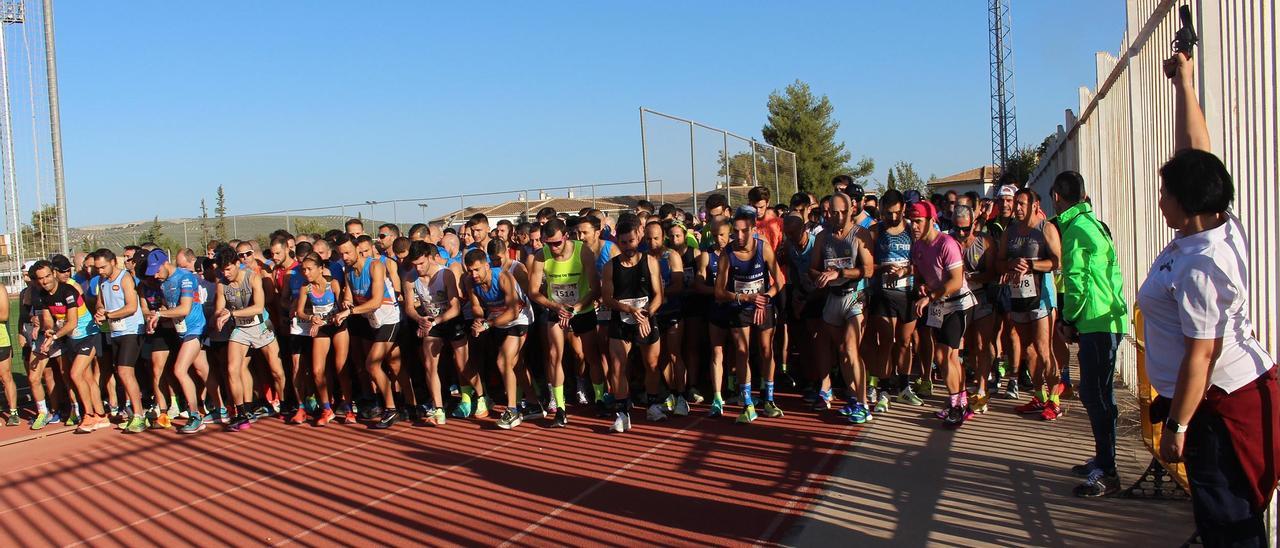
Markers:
point(697, 159)
point(1125, 132)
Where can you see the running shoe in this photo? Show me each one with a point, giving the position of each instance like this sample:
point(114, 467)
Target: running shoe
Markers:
point(532, 410)
point(41, 421)
point(583, 389)
point(389, 418)
point(695, 396)
point(821, 404)
point(299, 417)
point(368, 412)
point(194, 424)
point(860, 414)
point(87, 425)
point(462, 410)
point(770, 410)
point(552, 407)
point(163, 421)
point(925, 385)
point(135, 425)
point(978, 403)
point(942, 413)
point(437, 417)
point(13, 419)
point(656, 413)
point(621, 422)
point(561, 419)
point(510, 418)
point(72, 419)
point(848, 408)
point(882, 403)
point(810, 395)
point(748, 415)
point(1051, 411)
point(310, 404)
point(122, 415)
point(101, 423)
point(55, 417)
point(1024, 379)
point(955, 416)
point(1011, 390)
point(454, 391)
point(717, 408)
point(326, 416)
point(349, 417)
point(682, 407)
point(1083, 470)
point(1098, 484)
point(213, 415)
point(239, 424)
point(1033, 407)
point(483, 405)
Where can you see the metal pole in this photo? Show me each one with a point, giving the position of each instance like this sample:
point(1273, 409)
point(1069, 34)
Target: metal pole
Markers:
point(644, 154)
point(55, 124)
point(693, 172)
point(10, 173)
point(795, 176)
point(755, 173)
point(235, 227)
point(727, 182)
point(777, 182)
point(185, 242)
point(286, 223)
point(594, 205)
point(395, 213)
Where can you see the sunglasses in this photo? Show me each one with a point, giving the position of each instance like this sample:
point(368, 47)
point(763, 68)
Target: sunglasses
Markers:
point(383, 235)
point(553, 243)
point(246, 254)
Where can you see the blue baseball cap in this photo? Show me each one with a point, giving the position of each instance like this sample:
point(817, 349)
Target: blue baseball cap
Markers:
point(155, 260)
point(745, 211)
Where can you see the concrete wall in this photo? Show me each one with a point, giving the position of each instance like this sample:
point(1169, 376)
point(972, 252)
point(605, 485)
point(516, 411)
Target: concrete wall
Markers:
point(1125, 132)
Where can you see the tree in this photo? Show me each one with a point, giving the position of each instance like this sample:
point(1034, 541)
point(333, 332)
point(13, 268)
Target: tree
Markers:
point(802, 123)
point(1022, 163)
point(40, 238)
point(890, 182)
point(153, 233)
point(220, 212)
point(204, 222)
point(905, 178)
point(304, 225)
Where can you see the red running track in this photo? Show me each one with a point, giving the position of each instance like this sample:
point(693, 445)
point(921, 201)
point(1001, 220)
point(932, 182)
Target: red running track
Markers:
point(692, 480)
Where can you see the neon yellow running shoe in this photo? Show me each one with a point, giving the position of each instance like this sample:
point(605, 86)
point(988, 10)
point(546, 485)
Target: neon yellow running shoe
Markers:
point(748, 415)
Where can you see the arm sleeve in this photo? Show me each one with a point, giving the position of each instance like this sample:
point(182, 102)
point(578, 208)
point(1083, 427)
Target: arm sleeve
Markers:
point(1205, 296)
point(1077, 250)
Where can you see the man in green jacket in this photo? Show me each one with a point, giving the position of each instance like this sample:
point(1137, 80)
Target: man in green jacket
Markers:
point(1093, 313)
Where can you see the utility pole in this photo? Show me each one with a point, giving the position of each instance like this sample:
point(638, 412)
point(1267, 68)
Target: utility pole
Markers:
point(55, 125)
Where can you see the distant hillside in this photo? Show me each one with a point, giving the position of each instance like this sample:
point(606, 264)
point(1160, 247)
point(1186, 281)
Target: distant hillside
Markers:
point(187, 231)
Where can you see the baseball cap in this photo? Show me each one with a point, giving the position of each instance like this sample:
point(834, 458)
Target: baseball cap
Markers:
point(911, 196)
point(155, 259)
point(1007, 190)
point(26, 265)
point(745, 211)
point(854, 190)
point(61, 263)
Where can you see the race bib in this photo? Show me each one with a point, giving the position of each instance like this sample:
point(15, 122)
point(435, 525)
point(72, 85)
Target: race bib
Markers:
point(935, 312)
point(903, 283)
point(639, 302)
point(118, 326)
point(748, 288)
point(180, 327)
point(494, 311)
point(565, 293)
point(321, 311)
point(1023, 286)
point(838, 263)
point(244, 322)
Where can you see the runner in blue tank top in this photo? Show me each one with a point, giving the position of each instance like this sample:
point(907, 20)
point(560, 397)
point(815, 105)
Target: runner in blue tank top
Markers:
point(891, 319)
point(119, 307)
point(748, 282)
point(717, 313)
point(668, 319)
point(374, 318)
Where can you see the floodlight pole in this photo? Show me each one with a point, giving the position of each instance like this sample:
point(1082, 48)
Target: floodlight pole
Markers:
point(55, 126)
point(644, 155)
point(10, 172)
point(693, 171)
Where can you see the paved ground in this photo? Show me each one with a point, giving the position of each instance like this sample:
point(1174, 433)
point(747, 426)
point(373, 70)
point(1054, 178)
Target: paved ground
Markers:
point(1002, 480)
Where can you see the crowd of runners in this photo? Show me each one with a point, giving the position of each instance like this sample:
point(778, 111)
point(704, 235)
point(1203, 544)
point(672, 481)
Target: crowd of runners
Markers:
point(858, 302)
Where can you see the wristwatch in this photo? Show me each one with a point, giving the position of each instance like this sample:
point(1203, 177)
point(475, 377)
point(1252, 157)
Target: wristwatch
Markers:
point(1174, 426)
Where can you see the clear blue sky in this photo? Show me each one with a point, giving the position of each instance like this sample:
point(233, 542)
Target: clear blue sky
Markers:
point(294, 104)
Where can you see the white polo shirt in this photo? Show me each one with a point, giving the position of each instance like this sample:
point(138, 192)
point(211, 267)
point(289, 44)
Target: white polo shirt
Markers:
point(1198, 287)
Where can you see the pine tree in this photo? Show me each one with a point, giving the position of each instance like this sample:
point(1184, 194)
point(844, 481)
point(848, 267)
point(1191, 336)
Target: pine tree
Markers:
point(802, 123)
point(891, 183)
point(220, 213)
point(204, 222)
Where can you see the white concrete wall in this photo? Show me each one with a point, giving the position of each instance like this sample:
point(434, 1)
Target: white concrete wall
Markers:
point(1125, 132)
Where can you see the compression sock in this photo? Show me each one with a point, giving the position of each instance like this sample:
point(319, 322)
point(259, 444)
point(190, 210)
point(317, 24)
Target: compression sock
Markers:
point(745, 389)
point(964, 398)
point(598, 388)
point(1040, 393)
point(326, 406)
point(825, 395)
point(1056, 394)
point(873, 381)
point(768, 391)
point(557, 392)
point(465, 396)
point(42, 407)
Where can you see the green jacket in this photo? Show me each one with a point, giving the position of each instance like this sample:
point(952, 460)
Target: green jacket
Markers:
point(1093, 287)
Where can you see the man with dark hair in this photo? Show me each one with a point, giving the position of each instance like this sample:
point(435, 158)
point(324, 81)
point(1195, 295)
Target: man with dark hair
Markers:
point(355, 227)
point(504, 231)
point(418, 232)
point(840, 182)
point(645, 206)
point(1093, 313)
point(563, 280)
point(545, 214)
point(387, 234)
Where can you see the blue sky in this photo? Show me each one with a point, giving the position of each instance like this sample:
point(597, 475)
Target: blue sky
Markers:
point(297, 104)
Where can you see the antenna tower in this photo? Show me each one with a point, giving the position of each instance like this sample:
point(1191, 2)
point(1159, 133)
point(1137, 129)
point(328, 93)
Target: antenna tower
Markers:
point(1004, 128)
